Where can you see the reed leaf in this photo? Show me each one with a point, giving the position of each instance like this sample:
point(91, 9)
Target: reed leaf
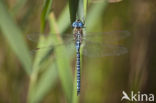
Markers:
point(45, 13)
point(73, 8)
point(15, 38)
point(62, 60)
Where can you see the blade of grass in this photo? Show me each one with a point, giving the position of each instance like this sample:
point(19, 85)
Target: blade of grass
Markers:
point(40, 55)
point(14, 36)
point(94, 13)
point(73, 7)
point(64, 19)
point(82, 9)
point(34, 92)
point(62, 60)
point(47, 81)
point(45, 13)
point(36, 69)
point(85, 4)
point(63, 64)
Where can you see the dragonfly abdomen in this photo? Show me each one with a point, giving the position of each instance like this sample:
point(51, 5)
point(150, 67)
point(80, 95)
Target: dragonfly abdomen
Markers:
point(78, 72)
point(78, 65)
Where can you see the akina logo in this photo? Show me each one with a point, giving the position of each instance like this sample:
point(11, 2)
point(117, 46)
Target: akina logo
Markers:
point(137, 97)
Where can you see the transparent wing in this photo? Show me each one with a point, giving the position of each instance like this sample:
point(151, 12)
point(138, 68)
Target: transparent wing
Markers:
point(104, 44)
point(94, 44)
point(69, 44)
point(101, 49)
point(35, 36)
point(106, 37)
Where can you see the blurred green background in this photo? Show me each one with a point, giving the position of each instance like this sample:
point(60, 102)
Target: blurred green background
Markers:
point(47, 77)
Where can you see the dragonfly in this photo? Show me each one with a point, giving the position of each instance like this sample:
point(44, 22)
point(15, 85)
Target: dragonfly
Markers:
point(94, 44)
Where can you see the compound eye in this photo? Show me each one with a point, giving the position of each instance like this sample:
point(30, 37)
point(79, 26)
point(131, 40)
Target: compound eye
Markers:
point(80, 24)
point(74, 25)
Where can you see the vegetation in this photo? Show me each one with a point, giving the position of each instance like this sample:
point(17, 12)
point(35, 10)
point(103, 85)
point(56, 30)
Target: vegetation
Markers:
point(48, 76)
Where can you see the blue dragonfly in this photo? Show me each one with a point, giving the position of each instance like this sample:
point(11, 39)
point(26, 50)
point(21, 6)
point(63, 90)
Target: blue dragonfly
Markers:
point(94, 44)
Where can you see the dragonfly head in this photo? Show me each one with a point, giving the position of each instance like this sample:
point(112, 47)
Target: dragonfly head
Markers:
point(78, 24)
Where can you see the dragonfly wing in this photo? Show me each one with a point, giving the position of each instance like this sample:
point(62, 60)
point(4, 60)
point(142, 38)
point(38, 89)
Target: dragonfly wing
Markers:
point(35, 36)
point(100, 50)
point(67, 43)
point(49, 45)
point(106, 37)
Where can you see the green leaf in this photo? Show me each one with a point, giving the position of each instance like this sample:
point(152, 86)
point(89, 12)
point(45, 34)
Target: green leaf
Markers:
point(82, 9)
point(94, 14)
point(73, 7)
point(62, 60)
point(45, 13)
point(45, 83)
point(64, 19)
point(34, 91)
point(15, 38)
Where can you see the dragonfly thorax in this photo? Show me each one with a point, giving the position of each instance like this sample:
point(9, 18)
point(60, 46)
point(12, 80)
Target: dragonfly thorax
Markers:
point(78, 33)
